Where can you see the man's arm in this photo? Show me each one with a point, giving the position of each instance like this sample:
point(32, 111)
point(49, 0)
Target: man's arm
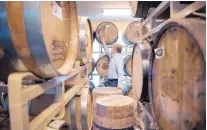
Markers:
point(120, 73)
point(105, 47)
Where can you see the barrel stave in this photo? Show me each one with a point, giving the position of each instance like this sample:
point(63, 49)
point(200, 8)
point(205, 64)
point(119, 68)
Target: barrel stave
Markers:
point(175, 78)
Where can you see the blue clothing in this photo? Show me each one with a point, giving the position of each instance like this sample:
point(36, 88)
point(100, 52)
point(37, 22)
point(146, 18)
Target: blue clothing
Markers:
point(126, 89)
point(115, 70)
point(92, 85)
point(6, 104)
point(111, 83)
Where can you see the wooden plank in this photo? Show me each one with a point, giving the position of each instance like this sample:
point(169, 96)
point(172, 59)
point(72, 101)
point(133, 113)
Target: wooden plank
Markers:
point(37, 89)
point(183, 13)
point(46, 116)
point(160, 8)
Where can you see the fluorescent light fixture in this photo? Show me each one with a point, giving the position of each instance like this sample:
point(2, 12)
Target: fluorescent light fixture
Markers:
point(116, 12)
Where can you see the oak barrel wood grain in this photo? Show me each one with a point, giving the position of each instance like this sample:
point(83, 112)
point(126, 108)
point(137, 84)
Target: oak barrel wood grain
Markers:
point(105, 91)
point(108, 31)
point(177, 80)
point(41, 37)
point(132, 32)
point(114, 112)
point(102, 65)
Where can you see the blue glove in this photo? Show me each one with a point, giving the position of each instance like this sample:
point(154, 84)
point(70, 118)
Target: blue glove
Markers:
point(92, 85)
point(126, 89)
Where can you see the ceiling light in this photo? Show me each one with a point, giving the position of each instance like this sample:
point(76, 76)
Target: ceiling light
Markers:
point(116, 12)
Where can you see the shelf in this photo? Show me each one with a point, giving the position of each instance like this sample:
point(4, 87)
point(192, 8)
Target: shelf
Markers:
point(20, 95)
point(176, 12)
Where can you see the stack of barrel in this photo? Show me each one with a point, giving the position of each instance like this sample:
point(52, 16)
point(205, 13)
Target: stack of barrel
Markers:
point(112, 110)
point(171, 74)
point(109, 32)
point(46, 38)
point(130, 36)
point(46, 43)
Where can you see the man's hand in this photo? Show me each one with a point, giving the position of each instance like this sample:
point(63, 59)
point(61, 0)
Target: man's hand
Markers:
point(102, 39)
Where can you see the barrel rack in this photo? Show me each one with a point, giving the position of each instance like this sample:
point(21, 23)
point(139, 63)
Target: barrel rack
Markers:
point(20, 95)
point(177, 11)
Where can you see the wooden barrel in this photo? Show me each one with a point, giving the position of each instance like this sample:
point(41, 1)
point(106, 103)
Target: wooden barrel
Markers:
point(81, 111)
point(40, 36)
point(102, 65)
point(140, 66)
point(142, 9)
point(107, 30)
point(114, 112)
point(128, 65)
point(91, 66)
point(132, 33)
point(85, 40)
point(177, 84)
point(105, 91)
